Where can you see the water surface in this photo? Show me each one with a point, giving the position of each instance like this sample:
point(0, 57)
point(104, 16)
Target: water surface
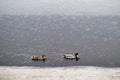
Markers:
point(95, 38)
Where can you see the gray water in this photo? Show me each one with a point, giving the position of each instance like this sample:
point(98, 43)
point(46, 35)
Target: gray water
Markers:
point(95, 38)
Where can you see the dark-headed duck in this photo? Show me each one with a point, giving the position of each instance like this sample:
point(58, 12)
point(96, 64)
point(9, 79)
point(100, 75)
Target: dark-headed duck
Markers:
point(71, 56)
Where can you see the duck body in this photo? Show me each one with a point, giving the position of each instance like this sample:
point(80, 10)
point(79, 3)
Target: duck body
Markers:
point(39, 57)
point(71, 56)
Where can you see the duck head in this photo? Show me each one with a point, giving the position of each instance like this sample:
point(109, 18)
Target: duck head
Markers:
point(76, 56)
point(44, 57)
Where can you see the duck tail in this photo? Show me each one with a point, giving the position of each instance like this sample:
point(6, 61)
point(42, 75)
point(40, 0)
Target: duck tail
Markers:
point(64, 56)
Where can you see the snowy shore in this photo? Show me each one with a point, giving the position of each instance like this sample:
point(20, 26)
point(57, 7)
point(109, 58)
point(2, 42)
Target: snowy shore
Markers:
point(59, 73)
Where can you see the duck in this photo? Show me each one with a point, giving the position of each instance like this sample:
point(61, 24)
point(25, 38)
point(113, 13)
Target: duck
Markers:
point(71, 56)
point(39, 57)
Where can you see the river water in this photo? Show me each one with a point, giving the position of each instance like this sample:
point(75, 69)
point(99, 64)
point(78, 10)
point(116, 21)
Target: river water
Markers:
point(95, 38)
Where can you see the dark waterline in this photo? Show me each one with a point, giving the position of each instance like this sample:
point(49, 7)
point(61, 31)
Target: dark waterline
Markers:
point(96, 39)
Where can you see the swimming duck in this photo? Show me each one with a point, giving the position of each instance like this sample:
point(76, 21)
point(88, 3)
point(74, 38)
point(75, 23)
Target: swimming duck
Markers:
point(39, 57)
point(71, 56)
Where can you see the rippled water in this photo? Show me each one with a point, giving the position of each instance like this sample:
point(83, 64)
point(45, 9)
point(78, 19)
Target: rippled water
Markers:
point(96, 39)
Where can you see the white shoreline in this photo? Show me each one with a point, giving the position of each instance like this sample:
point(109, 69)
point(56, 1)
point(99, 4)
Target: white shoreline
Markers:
point(59, 73)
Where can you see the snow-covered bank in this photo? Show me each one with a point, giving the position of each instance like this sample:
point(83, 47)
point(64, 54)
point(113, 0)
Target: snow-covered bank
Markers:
point(59, 73)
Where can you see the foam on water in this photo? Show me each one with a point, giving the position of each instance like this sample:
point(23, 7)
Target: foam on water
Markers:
point(59, 73)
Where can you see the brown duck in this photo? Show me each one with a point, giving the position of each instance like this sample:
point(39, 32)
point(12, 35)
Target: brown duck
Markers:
point(39, 57)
